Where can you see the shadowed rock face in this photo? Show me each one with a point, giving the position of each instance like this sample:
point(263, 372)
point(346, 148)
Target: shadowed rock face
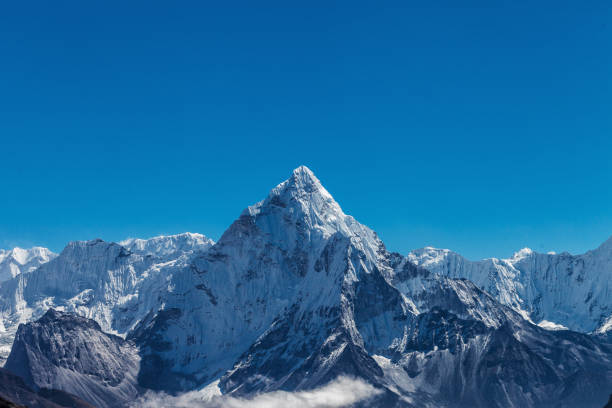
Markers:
point(71, 353)
point(15, 393)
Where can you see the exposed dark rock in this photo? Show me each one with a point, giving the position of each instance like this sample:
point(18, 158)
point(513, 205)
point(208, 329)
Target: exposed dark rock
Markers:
point(71, 353)
point(15, 393)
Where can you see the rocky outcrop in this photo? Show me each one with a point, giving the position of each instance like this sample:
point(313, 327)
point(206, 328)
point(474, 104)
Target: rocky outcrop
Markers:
point(71, 353)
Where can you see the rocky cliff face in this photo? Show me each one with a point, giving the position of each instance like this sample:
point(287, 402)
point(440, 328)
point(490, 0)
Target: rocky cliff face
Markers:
point(71, 353)
point(15, 393)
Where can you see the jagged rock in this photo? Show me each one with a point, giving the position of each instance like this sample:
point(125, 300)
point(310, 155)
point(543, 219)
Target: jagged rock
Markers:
point(71, 353)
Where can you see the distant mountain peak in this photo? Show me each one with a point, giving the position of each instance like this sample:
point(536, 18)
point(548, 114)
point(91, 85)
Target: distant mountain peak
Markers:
point(54, 316)
point(166, 245)
point(94, 247)
point(18, 260)
point(522, 253)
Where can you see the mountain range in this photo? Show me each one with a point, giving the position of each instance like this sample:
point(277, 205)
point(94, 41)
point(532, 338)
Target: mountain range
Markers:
point(295, 295)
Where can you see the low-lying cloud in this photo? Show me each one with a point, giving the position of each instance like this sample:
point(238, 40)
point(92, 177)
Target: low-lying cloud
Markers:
point(342, 392)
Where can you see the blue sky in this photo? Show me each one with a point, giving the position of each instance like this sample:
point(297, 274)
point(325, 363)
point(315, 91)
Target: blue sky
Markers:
point(482, 128)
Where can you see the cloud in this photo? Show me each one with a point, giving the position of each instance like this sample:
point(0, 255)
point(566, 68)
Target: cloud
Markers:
point(339, 393)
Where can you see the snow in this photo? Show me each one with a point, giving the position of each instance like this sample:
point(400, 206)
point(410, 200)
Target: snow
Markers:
point(605, 327)
point(168, 245)
point(105, 281)
point(262, 264)
point(571, 290)
point(18, 260)
point(545, 324)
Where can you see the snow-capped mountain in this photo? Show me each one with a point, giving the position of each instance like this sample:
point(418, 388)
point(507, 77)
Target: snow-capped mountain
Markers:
point(297, 293)
point(260, 267)
point(71, 353)
point(554, 290)
point(18, 260)
point(101, 280)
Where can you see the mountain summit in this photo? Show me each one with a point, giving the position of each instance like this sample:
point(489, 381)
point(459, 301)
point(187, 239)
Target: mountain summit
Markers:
point(17, 260)
point(296, 294)
point(302, 196)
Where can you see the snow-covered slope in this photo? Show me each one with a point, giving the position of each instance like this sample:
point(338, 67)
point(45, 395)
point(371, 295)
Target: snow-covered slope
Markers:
point(18, 260)
point(273, 255)
point(556, 290)
point(100, 280)
point(296, 293)
point(71, 353)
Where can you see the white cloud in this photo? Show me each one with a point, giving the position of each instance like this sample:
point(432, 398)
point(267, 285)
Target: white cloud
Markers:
point(339, 393)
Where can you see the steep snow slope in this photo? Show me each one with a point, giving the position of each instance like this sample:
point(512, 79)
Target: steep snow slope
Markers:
point(100, 280)
point(18, 260)
point(296, 293)
point(552, 289)
point(71, 353)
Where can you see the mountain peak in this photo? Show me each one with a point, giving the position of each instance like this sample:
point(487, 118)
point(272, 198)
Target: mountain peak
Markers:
point(17, 260)
point(304, 190)
point(95, 248)
point(303, 179)
point(23, 256)
point(302, 201)
point(304, 173)
point(168, 245)
point(522, 253)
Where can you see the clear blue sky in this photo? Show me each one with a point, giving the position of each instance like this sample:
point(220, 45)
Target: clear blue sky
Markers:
point(481, 128)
